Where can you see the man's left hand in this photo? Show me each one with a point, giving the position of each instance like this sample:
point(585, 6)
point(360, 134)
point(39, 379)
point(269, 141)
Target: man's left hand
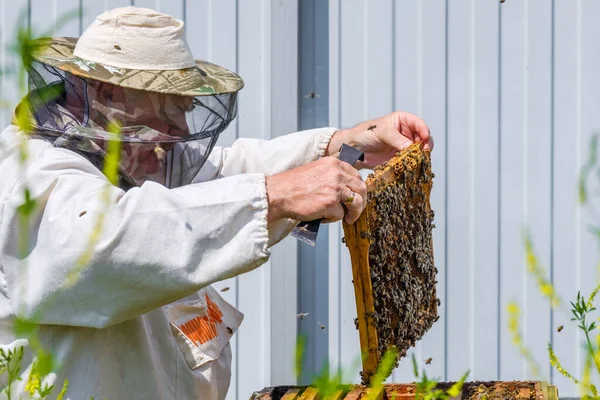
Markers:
point(381, 138)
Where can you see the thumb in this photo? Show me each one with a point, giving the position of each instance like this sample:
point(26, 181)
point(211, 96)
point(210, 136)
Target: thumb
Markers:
point(396, 140)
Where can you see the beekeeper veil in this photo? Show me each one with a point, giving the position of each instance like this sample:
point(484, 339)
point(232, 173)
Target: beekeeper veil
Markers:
point(131, 78)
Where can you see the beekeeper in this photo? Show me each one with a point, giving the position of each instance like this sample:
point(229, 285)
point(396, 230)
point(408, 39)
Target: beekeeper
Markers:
point(117, 268)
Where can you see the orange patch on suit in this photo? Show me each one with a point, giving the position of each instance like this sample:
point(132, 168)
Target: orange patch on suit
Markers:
point(202, 329)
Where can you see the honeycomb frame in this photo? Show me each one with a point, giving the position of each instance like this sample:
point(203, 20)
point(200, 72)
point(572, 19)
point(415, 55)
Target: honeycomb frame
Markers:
point(391, 250)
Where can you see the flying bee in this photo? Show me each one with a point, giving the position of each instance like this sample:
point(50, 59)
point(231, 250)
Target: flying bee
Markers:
point(229, 330)
point(428, 361)
point(560, 328)
point(322, 327)
point(312, 95)
point(81, 214)
point(226, 288)
point(302, 315)
point(370, 128)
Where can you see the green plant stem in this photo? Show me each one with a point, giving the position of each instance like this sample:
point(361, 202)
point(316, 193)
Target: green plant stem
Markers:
point(591, 348)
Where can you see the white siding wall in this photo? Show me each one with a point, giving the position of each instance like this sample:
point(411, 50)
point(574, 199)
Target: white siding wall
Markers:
point(512, 93)
point(257, 39)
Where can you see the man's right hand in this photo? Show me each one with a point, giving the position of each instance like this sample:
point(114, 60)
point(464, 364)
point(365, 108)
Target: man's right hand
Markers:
point(317, 190)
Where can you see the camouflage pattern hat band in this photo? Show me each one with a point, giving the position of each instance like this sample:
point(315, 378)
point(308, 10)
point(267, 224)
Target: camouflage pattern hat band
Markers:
point(138, 48)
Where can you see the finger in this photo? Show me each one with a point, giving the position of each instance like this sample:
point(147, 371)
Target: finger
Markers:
point(417, 127)
point(394, 139)
point(335, 213)
point(350, 170)
point(429, 144)
point(357, 186)
point(354, 204)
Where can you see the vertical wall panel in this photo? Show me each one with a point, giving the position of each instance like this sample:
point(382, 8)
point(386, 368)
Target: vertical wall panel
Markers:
point(433, 109)
point(378, 59)
point(45, 16)
point(512, 179)
point(405, 81)
point(91, 9)
point(174, 8)
point(589, 125)
point(334, 230)
point(219, 19)
point(459, 270)
point(484, 177)
point(538, 136)
point(254, 63)
point(565, 167)
point(283, 103)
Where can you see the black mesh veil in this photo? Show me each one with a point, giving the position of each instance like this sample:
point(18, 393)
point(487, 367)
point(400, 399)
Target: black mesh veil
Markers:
point(164, 138)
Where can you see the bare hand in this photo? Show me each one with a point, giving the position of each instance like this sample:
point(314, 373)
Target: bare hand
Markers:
point(381, 138)
point(317, 190)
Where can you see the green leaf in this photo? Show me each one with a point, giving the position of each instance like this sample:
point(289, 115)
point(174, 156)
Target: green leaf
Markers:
point(45, 362)
point(24, 329)
point(415, 367)
point(300, 348)
point(28, 206)
point(385, 367)
point(593, 389)
point(456, 389)
point(113, 154)
point(592, 326)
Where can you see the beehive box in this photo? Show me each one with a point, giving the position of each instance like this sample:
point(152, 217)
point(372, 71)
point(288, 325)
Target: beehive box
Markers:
point(392, 258)
point(528, 390)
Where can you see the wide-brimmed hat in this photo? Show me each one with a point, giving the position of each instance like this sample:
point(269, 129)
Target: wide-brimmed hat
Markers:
point(139, 48)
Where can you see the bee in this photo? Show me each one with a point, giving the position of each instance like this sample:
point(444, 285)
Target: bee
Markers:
point(365, 235)
point(560, 328)
point(428, 361)
point(370, 128)
point(302, 315)
point(81, 214)
point(312, 95)
point(117, 47)
point(229, 330)
point(160, 152)
point(322, 327)
point(343, 240)
point(226, 288)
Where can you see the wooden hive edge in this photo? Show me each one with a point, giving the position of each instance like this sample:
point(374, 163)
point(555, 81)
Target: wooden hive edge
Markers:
point(541, 390)
point(363, 293)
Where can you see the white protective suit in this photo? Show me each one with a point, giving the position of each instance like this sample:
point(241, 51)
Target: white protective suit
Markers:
point(141, 321)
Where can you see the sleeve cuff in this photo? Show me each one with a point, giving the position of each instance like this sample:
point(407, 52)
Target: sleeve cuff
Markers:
point(323, 140)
